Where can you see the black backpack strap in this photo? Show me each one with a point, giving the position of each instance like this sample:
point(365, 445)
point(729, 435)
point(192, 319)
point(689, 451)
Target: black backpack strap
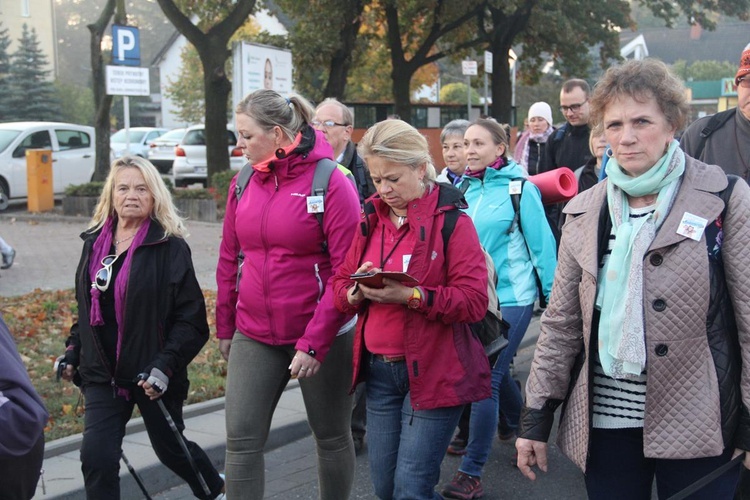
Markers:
point(714, 123)
point(727, 193)
point(322, 176)
point(515, 199)
point(449, 224)
point(242, 179)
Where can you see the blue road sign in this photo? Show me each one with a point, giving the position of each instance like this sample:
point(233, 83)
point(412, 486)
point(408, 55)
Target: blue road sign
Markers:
point(126, 46)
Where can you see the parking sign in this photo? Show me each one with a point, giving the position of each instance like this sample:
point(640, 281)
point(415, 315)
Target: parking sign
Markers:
point(126, 46)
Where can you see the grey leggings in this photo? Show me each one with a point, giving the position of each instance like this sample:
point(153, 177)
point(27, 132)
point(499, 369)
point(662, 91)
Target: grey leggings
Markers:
point(257, 376)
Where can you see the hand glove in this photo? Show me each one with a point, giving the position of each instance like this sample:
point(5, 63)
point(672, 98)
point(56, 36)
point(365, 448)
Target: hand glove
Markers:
point(72, 357)
point(158, 380)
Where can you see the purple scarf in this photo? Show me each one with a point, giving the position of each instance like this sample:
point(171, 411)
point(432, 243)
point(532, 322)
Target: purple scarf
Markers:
point(497, 165)
point(100, 250)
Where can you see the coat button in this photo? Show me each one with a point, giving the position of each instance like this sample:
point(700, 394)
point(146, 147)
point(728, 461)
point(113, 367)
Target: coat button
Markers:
point(661, 350)
point(656, 259)
point(659, 305)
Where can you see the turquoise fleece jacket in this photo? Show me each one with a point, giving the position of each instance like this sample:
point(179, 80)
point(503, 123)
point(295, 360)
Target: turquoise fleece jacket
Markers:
point(491, 210)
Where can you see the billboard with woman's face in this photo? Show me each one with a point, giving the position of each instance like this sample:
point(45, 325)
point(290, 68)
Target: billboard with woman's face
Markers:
point(260, 67)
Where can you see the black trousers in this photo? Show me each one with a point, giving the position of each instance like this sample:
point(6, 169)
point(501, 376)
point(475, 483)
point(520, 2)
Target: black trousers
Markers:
point(20, 475)
point(105, 419)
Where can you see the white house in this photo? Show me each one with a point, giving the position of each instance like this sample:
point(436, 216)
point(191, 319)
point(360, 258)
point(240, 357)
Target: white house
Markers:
point(168, 61)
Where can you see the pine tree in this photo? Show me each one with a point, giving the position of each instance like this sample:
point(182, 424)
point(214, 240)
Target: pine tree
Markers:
point(32, 96)
point(4, 74)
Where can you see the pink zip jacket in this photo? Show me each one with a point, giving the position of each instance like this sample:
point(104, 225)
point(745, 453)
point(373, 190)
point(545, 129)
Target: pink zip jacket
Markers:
point(283, 294)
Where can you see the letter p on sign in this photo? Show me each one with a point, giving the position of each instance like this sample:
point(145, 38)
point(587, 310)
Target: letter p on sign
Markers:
point(126, 47)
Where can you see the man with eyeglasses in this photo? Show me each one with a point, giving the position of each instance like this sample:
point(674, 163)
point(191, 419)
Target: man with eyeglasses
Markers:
point(724, 138)
point(569, 145)
point(335, 120)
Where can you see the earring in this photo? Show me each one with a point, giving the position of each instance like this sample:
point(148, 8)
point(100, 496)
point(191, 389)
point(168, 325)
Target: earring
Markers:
point(609, 152)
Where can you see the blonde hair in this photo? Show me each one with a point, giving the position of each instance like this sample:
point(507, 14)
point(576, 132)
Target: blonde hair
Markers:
point(270, 109)
point(398, 142)
point(164, 211)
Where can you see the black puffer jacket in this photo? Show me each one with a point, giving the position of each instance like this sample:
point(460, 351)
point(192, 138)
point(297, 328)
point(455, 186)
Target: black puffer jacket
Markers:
point(165, 315)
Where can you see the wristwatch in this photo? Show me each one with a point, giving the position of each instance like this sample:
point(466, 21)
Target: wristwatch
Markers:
point(415, 301)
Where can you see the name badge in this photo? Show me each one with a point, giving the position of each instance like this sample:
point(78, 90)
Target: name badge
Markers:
point(692, 226)
point(315, 205)
point(405, 262)
point(515, 187)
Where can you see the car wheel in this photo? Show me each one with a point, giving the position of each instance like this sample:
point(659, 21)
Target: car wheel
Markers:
point(4, 194)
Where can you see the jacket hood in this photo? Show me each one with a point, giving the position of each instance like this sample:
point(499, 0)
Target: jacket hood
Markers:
point(312, 147)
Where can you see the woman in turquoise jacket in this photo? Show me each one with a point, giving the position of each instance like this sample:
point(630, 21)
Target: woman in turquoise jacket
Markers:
point(522, 246)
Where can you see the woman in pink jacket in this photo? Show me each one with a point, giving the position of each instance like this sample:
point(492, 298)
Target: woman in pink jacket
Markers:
point(413, 344)
point(275, 317)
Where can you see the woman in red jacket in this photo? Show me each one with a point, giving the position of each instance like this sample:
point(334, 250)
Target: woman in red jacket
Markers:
point(275, 316)
point(413, 344)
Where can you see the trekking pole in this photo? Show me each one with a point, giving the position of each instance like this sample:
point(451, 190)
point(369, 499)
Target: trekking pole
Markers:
point(180, 439)
point(700, 483)
point(135, 475)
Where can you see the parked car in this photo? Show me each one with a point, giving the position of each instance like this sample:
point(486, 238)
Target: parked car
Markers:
point(161, 149)
point(190, 163)
point(73, 155)
point(140, 137)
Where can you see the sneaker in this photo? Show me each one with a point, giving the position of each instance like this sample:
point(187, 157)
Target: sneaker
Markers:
point(457, 447)
point(8, 259)
point(464, 487)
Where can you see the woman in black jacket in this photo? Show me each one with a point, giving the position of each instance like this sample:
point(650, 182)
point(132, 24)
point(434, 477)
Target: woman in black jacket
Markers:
point(141, 320)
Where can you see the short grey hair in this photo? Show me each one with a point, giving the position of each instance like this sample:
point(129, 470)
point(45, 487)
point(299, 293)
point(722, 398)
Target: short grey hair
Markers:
point(454, 127)
point(347, 116)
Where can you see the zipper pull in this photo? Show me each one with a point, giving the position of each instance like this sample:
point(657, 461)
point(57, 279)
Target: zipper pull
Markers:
point(276, 180)
point(114, 388)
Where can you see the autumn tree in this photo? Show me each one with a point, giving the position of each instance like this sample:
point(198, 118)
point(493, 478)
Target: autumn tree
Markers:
point(704, 70)
point(217, 21)
point(325, 41)
point(186, 89)
point(420, 32)
point(565, 32)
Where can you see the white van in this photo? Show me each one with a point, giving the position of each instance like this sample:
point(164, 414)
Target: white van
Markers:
point(73, 155)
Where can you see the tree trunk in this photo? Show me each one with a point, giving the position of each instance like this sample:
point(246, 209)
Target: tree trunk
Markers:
point(502, 88)
point(401, 92)
point(341, 61)
point(102, 101)
point(217, 87)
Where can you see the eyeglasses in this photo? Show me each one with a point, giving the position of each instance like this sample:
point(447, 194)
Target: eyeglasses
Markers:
point(327, 123)
point(104, 275)
point(575, 108)
point(744, 82)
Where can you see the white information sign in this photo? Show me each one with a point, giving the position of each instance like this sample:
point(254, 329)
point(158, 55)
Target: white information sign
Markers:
point(127, 80)
point(260, 67)
point(469, 68)
point(488, 62)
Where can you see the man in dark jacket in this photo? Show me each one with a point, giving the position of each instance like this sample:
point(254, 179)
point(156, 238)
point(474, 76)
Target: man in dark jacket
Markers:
point(22, 420)
point(728, 145)
point(336, 121)
point(569, 145)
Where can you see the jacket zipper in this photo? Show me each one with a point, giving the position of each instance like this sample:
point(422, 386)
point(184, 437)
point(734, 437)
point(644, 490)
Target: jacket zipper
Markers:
point(266, 291)
point(320, 282)
point(479, 201)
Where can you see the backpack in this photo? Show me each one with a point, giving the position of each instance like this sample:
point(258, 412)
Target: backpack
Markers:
point(492, 330)
point(714, 123)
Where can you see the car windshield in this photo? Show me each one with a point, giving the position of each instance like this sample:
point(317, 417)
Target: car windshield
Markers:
point(6, 137)
point(173, 135)
point(135, 136)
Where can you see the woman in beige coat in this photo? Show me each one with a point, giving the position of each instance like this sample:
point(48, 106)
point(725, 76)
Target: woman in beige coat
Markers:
point(647, 335)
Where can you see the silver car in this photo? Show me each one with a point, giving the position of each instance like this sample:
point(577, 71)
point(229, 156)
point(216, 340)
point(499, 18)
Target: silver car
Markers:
point(139, 139)
point(161, 149)
point(190, 164)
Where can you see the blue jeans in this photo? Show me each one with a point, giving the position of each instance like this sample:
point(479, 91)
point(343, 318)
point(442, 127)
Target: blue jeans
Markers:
point(617, 470)
point(484, 413)
point(405, 447)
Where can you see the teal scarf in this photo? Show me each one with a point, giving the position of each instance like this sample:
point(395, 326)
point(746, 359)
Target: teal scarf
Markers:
point(622, 345)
